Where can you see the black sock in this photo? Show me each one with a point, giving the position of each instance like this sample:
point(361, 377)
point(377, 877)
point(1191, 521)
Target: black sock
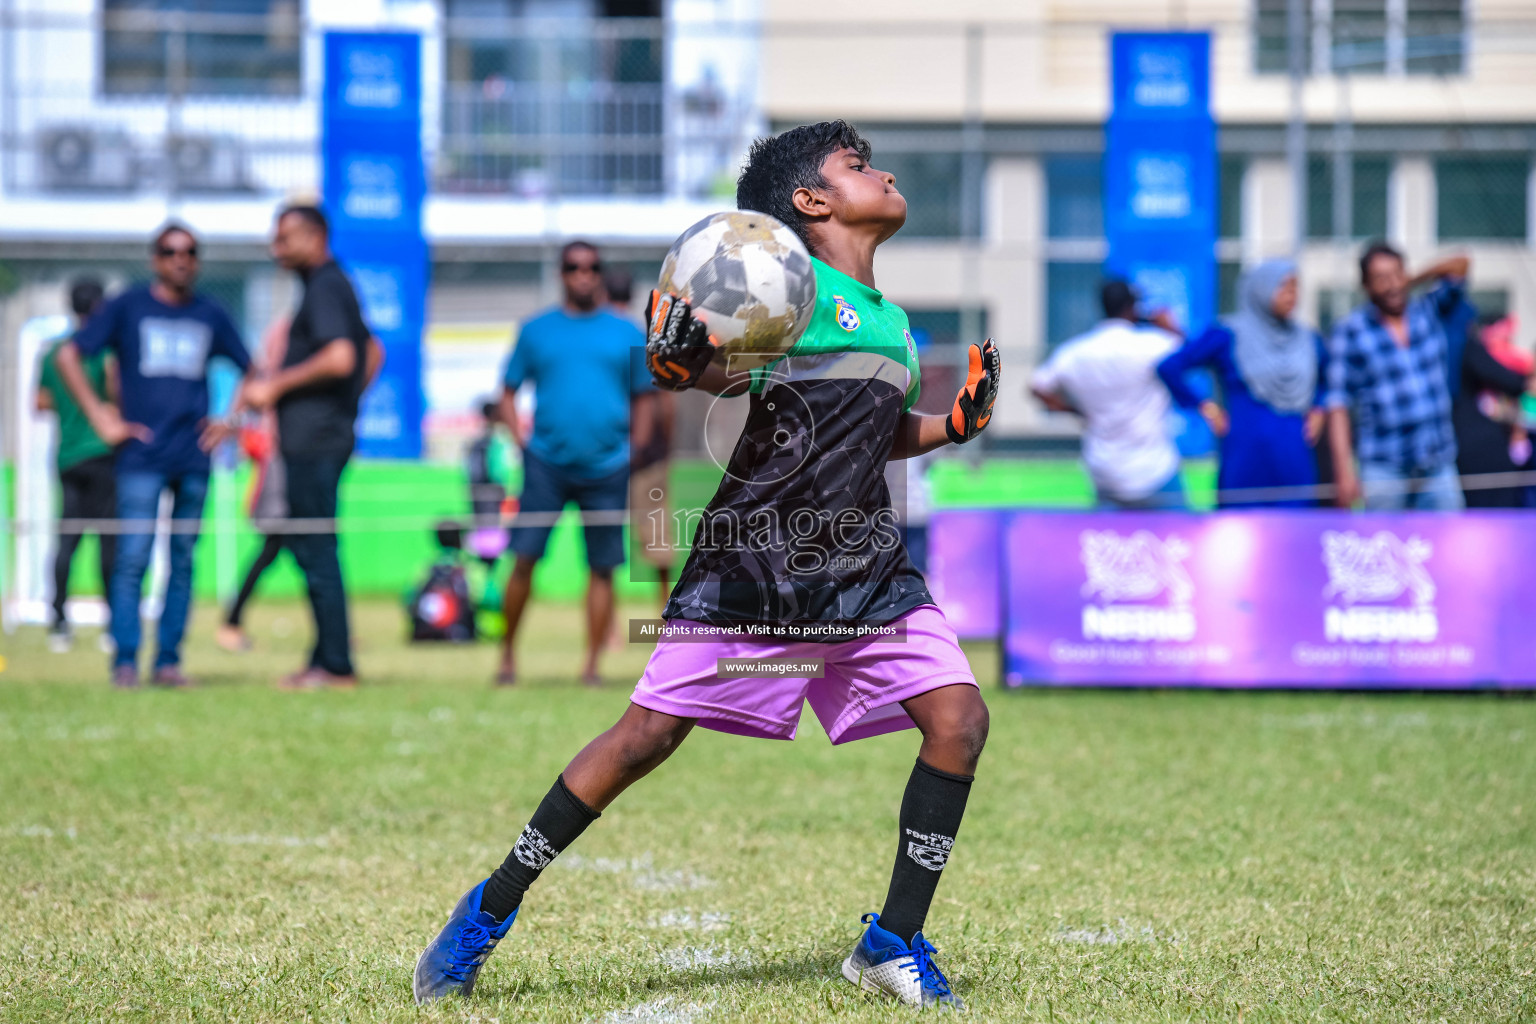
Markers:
point(560, 819)
point(931, 810)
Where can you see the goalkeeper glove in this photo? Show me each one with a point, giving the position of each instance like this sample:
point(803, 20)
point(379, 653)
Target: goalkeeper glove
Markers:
point(677, 346)
point(973, 405)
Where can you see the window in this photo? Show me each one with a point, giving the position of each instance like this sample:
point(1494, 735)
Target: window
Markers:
point(1491, 303)
point(1229, 187)
point(1419, 37)
point(553, 97)
point(942, 328)
point(1271, 35)
point(1359, 33)
point(1074, 197)
point(1368, 208)
point(1071, 299)
point(1436, 37)
point(937, 333)
point(1481, 196)
point(1228, 274)
point(931, 183)
point(201, 47)
point(1334, 304)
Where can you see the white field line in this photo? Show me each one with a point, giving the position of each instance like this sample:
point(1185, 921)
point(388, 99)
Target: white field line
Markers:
point(1109, 936)
point(687, 920)
point(691, 958)
point(658, 1011)
point(643, 872)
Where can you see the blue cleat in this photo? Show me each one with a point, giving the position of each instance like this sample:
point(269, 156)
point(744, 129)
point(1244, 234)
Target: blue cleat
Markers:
point(452, 961)
point(882, 963)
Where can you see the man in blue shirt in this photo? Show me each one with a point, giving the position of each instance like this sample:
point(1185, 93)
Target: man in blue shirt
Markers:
point(1388, 365)
point(585, 365)
point(163, 335)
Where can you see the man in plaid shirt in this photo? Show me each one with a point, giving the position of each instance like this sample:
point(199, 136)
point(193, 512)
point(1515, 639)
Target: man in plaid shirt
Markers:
point(1387, 365)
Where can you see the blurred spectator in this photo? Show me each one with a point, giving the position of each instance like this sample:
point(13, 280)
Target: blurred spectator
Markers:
point(268, 509)
point(1387, 365)
point(585, 364)
point(1108, 376)
point(1269, 368)
point(269, 493)
point(330, 360)
point(163, 335)
point(1490, 437)
point(485, 467)
point(86, 480)
point(653, 415)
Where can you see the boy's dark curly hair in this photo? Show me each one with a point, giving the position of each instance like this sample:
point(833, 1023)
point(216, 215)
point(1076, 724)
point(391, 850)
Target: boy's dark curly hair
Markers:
point(778, 165)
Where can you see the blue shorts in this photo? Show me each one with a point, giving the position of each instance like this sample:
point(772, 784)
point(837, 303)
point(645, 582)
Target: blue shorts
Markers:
point(547, 489)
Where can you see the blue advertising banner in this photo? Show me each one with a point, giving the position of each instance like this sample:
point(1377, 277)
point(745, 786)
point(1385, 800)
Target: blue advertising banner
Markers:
point(1160, 211)
point(374, 183)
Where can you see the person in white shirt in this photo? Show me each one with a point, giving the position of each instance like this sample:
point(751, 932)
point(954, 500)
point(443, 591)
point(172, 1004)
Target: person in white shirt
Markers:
point(1108, 376)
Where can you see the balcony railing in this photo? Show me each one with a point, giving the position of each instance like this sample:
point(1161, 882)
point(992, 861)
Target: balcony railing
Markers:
point(532, 139)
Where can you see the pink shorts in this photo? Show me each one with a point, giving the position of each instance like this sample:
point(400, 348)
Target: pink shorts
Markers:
point(859, 695)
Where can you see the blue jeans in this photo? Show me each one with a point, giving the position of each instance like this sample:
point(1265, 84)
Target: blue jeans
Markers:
point(138, 502)
point(1387, 489)
point(1167, 498)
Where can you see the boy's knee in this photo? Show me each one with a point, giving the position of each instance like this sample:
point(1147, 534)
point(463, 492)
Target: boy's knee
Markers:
point(648, 737)
point(970, 727)
point(964, 724)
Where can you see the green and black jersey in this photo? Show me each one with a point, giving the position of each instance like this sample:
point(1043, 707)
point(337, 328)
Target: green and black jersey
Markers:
point(801, 530)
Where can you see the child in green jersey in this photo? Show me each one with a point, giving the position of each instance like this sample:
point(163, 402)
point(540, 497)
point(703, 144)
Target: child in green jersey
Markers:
point(799, 546)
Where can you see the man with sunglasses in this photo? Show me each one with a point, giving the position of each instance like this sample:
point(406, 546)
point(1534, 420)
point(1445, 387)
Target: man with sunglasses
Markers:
point(586, 364)
point(163, 335)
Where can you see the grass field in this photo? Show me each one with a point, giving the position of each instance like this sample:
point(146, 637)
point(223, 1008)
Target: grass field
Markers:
point(236, 853)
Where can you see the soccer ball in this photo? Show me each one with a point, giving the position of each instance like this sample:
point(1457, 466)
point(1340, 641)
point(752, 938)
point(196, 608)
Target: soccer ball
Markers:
point(749, 278)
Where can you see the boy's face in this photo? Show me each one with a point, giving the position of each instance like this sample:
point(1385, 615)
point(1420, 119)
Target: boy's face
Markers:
point(861, 195)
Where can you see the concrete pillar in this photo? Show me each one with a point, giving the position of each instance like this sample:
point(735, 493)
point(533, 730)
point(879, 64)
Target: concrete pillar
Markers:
point(1013, 277)
point(1268, 205)
point(1411, 205)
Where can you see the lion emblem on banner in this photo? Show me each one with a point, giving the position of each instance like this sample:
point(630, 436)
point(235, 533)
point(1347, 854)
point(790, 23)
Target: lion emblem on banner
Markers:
point(1377, 568)
point(1137, 568)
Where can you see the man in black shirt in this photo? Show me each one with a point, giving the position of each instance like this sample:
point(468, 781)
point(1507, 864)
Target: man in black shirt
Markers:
point(331, 359)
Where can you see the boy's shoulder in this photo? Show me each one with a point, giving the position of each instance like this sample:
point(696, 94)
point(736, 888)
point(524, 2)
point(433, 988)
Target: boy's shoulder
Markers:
point(849, 314)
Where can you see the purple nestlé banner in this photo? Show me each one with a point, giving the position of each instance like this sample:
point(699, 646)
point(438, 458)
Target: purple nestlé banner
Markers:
point(965, 569)
point(1312, 599)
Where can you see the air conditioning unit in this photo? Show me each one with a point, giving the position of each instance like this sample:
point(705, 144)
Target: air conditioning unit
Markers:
point(206, 163)
point(73, 159)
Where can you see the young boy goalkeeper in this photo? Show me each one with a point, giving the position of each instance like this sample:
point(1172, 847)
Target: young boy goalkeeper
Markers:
point(800, 539)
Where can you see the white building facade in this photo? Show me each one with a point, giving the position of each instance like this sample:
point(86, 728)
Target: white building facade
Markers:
point(623, 121)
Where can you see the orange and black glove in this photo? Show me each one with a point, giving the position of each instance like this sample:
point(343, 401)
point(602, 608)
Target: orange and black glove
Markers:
point(677, 346)
point(973, 405)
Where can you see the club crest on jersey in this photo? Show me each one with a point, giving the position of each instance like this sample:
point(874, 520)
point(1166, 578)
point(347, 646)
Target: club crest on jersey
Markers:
point(847, 316)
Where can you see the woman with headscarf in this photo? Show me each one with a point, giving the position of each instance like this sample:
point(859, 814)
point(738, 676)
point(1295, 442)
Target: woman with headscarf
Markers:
point(1270, 370)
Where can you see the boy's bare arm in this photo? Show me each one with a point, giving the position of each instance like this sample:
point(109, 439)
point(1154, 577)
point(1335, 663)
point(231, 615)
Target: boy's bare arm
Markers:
point(717, 380)
point(917, 434)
